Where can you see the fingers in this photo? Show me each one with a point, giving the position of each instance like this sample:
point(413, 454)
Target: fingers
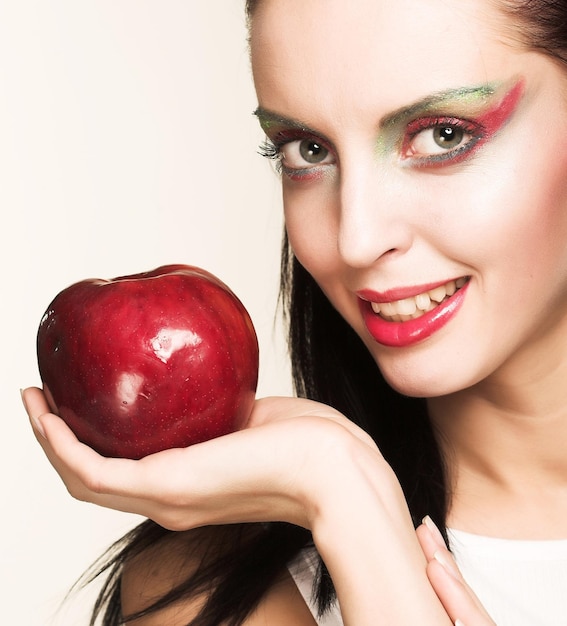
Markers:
point(42, 421)
point(82, 470)
point(51, 431)
point(460, 602)
point(458, 599)
point(430, 538)
point(239, 477)
point(36, 405)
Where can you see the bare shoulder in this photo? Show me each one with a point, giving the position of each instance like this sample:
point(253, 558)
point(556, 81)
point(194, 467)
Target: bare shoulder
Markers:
point(282, 605)
point(160, 568)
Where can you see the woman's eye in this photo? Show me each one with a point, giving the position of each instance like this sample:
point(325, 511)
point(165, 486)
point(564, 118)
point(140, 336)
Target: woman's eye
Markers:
point(299, 158)
point(437, 140)
point(440, 140)
point(312, 152)
point(447, 137)
point(304, 153)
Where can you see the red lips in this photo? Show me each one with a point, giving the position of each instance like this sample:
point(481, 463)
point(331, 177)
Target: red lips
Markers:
point(411, 332)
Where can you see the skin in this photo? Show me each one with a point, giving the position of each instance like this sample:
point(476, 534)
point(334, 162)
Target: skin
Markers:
point(373, 215)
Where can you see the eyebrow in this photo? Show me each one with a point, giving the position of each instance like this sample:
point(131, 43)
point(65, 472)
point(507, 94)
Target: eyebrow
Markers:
point(269, 118)
point(472, 95)
point(475, 94)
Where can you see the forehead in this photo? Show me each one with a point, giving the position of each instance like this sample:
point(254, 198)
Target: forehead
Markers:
point(346, 54)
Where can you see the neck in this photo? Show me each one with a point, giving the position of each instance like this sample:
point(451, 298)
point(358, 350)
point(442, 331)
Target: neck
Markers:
point(505, 442)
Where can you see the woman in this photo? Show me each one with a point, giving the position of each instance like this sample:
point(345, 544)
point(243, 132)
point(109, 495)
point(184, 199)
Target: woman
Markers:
point(421, 148)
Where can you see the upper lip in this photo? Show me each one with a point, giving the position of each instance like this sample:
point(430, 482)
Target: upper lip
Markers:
point(401, 293)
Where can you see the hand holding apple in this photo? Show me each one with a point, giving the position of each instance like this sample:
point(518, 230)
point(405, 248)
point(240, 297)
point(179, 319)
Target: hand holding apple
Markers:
point(271, 470)
point(142, 363)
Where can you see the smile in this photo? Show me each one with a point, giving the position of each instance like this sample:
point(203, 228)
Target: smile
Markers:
point(402, 322)
point(416, 306)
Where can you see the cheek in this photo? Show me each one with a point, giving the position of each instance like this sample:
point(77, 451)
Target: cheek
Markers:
point(506, 220)
point(528, 231)
point(311, 225)
point(534, 197)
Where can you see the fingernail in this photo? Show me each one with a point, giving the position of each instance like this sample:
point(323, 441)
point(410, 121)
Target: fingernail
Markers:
point(434, 530)
point(446, 560)
point(39, 427)
point(23, 399)
point(459, 623)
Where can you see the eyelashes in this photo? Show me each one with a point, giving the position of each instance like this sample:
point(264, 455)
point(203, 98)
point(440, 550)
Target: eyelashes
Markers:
point(426, 142)
point(298, 155)
point(269, 150)
point(440, 140)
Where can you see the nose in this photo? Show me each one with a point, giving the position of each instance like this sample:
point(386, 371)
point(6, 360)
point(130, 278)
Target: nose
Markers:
point(374, 220)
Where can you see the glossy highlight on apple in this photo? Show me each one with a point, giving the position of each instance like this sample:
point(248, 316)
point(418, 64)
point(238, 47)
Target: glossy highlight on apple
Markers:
point(146, 362)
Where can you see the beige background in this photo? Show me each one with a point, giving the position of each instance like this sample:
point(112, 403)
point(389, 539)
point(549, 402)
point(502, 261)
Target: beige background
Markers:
point(126, 142)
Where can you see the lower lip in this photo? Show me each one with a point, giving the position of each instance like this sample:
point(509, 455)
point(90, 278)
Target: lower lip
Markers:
point(404, 334)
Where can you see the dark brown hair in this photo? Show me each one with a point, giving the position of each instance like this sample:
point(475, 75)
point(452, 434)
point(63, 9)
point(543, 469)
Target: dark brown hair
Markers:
point(536, 24)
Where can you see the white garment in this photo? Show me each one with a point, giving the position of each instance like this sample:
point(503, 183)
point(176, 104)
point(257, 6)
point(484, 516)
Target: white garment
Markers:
point(520, 583)
point(303, 570)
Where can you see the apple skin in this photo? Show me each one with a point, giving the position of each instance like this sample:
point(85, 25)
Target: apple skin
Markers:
point(151, 361)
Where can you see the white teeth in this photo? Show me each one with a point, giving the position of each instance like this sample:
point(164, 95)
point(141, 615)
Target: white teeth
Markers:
point(438, 294)
point(407, 306)
point(388, 308)
point(423, 301)
point(412, 308)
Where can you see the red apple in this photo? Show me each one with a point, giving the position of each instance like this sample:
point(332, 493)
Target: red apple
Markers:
point(156, 360)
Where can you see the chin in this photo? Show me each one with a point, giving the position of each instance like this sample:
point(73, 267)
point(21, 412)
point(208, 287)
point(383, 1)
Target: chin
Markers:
point(414, 388)
point(416, 378)
point(441, 365)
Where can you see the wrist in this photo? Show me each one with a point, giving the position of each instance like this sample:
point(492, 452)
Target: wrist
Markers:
point(363, 531)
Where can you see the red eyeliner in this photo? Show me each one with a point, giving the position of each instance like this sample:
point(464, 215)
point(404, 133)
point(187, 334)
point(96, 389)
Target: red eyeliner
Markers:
point(481, 130)
point(493, 120)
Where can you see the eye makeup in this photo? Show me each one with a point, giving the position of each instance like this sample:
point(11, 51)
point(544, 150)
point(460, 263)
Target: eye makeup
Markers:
point(442, 129)
point(313, 152)
point(470, 117)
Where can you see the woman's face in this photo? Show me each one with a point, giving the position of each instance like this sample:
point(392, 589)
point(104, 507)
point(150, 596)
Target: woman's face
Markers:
point(424, 174)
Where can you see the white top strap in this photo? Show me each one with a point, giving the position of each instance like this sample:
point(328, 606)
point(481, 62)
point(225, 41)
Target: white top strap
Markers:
point(303, 570)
